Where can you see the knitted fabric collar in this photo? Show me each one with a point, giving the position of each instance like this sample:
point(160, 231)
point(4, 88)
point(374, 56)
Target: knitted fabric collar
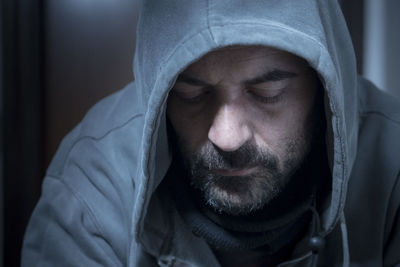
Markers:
point(225, 232)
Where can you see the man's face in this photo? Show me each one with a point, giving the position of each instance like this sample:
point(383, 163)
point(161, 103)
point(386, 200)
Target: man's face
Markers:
point(242, 118)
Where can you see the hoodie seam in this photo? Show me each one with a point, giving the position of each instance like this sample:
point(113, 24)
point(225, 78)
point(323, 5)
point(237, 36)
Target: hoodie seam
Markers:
point(210, 26)
point(380, 114)
point(85, 137)
point(86, 207)
point(208, 21)
point(154, 125)
point(344, 173)
point(269, 23)
point(338, 135)
point(334, 110)
point(181, 44)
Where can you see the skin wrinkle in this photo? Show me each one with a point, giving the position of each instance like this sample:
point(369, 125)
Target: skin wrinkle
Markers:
point(230, 129)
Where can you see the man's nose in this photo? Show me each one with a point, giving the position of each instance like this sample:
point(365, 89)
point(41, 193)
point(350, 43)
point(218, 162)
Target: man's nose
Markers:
point(229, 129)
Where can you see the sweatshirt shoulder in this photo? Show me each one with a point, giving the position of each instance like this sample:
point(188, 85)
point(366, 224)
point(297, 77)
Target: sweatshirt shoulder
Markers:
point(376, 102)
point(379, 130)
point(112, 112)
point(89, 188)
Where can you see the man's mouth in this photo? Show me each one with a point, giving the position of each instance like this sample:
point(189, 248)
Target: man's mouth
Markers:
point(235, 172)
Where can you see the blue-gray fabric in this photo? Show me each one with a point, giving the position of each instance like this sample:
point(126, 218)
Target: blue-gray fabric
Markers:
point(99, 204)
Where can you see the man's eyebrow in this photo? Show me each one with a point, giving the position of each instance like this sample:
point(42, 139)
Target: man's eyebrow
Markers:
point(191, 80)
point(271, 76)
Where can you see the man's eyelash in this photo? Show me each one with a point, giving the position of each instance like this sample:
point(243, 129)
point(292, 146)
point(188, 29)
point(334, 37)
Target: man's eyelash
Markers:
point(192, 100)
point(267, 99)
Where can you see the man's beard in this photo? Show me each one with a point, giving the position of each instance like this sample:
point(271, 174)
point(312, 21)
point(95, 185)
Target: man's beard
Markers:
point(241, 195)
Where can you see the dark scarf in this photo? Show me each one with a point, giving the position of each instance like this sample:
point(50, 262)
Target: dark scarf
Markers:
point(226, 232)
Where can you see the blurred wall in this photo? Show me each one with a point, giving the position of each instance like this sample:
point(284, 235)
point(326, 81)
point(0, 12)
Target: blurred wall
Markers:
point(1, 138)
point(382, 44)
point(22, 119)
point(354, 13)
point(89, 48)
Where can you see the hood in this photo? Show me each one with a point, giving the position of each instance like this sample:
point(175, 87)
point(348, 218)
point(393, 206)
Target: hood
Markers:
point(172, 34)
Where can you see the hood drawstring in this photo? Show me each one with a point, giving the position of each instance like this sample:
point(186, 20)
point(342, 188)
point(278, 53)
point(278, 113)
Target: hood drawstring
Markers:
point(316, 242)
point(345, 242)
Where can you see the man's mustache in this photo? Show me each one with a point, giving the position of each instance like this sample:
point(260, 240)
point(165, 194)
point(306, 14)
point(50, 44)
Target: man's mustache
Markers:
point(248, 155)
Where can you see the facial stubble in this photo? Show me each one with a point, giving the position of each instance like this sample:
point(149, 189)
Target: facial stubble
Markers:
point(240, 195)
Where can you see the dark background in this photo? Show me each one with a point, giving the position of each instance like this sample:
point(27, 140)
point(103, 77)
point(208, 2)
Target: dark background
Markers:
point(57, 59)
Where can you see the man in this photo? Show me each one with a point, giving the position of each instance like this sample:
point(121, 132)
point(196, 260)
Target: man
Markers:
point(247, 139)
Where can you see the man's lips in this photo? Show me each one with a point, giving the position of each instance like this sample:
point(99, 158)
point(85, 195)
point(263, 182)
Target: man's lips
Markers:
point(234, 172)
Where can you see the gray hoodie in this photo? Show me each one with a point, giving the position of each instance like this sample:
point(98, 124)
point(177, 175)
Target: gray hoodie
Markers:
point(100, 205)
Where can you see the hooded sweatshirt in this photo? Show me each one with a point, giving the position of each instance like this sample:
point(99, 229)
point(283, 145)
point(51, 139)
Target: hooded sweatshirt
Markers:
point(101, 205)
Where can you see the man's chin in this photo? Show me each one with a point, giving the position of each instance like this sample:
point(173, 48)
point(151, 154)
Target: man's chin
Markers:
point(239, 195)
